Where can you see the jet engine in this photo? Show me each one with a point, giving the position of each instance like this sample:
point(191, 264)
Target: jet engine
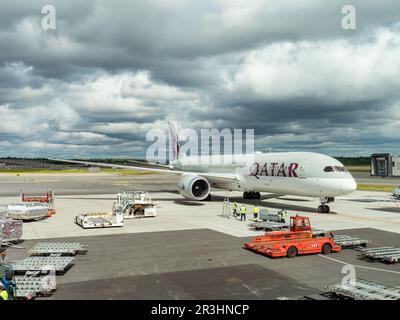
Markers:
point(194, 187)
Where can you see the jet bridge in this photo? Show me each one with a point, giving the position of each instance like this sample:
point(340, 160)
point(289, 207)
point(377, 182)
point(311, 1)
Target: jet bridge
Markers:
point(385, 165)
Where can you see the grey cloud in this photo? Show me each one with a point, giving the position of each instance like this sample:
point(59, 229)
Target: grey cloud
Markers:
point(286, 69)
point(135, 34)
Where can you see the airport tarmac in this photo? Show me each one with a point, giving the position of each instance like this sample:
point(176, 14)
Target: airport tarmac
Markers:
point(188, 251)
point(361, 209)
point(204, 264)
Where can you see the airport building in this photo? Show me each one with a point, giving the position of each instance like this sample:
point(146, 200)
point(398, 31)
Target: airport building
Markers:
point(385, 165)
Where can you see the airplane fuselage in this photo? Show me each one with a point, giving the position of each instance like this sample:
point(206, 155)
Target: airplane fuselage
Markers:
point(290, 173)
point(293, 173)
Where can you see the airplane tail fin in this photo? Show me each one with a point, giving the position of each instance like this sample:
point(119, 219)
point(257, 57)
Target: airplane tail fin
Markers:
point(176, 146)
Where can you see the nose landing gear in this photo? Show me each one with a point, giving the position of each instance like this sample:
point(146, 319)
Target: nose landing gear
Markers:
point(324, 208)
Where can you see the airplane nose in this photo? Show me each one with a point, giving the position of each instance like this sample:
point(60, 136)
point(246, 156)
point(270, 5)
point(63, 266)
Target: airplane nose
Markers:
point(348, 186)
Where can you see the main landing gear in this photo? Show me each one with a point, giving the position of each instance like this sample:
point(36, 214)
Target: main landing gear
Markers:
point(251, 195)
point(324, 208)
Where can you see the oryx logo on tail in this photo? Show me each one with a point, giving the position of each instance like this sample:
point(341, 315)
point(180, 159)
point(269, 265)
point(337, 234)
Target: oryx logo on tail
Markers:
point(174, 142)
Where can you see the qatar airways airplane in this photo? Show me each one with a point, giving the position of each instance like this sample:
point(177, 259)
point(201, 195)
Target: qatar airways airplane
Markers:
point(289, 173)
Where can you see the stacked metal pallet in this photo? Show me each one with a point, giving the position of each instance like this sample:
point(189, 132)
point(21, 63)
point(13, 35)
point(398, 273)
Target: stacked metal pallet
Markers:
point(346, 241)
point(60, 248)
point(268, 225)
point(10, 230)
point(31, 286)
point(365, 290)
point(383, 254)
point(43, 264)
point(46, 257)
point(27, 211)
point(268, 222)
point(307, 297)
point(279, 226)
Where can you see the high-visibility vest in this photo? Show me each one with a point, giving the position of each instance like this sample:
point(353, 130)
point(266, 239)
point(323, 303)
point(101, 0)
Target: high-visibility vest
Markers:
point(4, 295)
point(256, 210)
point(243, 209)
point(234, 205)
point(282, 214)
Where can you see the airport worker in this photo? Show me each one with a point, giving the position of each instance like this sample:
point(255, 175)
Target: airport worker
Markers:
point(243, 211)
point(256, 211)
point(282, 215)
point(235, 207)
point(3, 292)
point(8, 283)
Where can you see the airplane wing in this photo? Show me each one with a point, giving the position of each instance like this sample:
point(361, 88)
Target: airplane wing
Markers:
point(212, 177)
point(150, 164)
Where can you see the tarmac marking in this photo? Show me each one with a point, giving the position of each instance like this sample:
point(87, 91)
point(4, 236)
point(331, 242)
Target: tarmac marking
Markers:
point(358, 266)
point(121, 183)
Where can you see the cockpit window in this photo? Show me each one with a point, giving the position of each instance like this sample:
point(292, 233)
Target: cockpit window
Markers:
point(335, 169)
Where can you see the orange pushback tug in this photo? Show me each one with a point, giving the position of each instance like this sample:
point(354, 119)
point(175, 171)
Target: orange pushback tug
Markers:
point(298, 240)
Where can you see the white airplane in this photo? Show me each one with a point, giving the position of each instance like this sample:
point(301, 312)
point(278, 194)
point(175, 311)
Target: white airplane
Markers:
point(291, 173)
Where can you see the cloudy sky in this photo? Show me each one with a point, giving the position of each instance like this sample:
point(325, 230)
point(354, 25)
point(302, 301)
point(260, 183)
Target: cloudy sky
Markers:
point(112, 70)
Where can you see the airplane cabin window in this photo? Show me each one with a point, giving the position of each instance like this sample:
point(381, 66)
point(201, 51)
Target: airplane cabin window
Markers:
point(329, 169)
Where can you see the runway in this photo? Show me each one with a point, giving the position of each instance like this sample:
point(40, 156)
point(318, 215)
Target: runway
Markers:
point(107, 183)
point(84, 184)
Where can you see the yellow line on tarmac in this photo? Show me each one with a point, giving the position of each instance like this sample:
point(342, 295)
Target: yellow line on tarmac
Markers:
point(122, 183)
